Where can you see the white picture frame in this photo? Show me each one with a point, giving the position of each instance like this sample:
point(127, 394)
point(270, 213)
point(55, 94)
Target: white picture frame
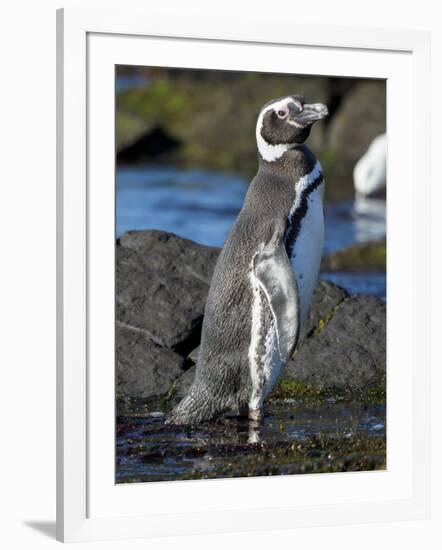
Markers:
point(89, 504)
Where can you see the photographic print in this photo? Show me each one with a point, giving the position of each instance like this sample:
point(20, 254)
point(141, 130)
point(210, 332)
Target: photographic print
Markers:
point(250, 270)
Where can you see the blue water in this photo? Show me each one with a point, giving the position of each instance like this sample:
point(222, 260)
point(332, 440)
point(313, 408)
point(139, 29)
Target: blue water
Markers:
point(360, 283)
point(195, 204)
point(202, 205)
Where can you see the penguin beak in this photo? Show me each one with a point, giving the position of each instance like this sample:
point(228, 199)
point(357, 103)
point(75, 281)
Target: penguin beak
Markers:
point(311, 113)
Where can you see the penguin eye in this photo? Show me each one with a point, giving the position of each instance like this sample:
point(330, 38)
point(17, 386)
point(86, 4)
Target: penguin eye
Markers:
point(282, 113)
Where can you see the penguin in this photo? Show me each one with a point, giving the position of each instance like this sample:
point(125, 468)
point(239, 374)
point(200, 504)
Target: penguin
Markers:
point(264, 278)
point(370, 172)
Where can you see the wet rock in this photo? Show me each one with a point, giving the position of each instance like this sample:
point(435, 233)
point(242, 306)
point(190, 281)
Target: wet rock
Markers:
point(348, 352)
point(296, 437)
point(143, 368)
point(162, 283)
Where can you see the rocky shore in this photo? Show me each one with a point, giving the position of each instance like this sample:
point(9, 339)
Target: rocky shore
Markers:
point(162, 282)
point(326, 414)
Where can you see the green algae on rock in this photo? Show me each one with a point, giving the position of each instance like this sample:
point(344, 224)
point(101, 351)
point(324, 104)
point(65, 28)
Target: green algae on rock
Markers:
point(296, 437)
point(370, 256)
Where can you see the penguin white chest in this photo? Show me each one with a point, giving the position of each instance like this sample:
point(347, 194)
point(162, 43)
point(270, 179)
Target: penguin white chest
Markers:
point(307, 249)
point(305, 240)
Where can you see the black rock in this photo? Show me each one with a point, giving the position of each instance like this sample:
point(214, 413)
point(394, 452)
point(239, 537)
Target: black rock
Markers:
point(348, 351)
point(162, 283)
point(143, 368)
point(326, 297)
point(148, 146)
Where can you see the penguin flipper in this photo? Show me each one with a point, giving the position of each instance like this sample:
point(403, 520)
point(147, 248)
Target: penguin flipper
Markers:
point(273, 270)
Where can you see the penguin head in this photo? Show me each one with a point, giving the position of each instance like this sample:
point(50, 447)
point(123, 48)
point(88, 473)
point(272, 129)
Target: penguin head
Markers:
point(284, 123)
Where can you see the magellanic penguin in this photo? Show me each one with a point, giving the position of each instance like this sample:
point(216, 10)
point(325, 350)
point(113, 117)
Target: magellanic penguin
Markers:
point(263, 281)
point(370, 172)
